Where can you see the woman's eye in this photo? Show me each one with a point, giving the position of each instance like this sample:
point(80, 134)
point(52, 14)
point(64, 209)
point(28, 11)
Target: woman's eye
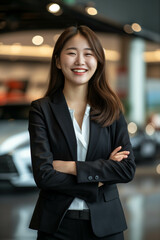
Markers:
point(71, 53)
point(89, 54)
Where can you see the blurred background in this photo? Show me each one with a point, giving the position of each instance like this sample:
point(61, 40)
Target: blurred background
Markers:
point(130, 34)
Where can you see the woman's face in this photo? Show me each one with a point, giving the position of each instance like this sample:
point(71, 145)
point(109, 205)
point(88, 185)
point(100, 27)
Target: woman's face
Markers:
point(77, 61)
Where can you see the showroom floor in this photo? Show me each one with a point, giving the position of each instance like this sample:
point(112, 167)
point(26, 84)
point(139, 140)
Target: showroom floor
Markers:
point(140, 200)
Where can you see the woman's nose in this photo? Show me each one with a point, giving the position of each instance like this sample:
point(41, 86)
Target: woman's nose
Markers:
point(80, 59)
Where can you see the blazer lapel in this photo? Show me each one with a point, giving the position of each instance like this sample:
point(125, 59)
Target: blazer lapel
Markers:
point(95, 130)
point(61, 112)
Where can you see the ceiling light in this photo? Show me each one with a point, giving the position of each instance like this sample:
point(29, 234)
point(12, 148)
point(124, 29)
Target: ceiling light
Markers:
point(43, 51)
point(150, 130)
point(152, 56)
point(132, 128)
point(128, 29)
point(53, 8)
point(91, 11)
point(136, 27)
point(16, 48)
point(37, 40)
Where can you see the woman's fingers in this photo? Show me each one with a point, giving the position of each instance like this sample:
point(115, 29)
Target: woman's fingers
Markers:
point(123, 153)
point(119, 156)
point(115, 151)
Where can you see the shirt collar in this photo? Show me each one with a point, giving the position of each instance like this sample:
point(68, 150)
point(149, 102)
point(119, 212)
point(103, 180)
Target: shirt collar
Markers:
point(86, 111)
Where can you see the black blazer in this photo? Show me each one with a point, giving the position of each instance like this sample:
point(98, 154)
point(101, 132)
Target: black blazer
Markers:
point(52, 137)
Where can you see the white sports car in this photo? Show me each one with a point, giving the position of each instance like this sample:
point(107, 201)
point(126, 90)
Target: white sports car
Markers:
point(15, 159)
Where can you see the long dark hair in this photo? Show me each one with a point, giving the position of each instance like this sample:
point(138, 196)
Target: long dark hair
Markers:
point(105, 104)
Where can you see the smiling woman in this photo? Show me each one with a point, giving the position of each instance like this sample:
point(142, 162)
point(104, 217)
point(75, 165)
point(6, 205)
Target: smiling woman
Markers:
point(100, 96)
point(80, 146)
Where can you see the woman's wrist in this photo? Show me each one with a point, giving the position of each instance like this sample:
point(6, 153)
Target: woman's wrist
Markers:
point(68, 167)
point(72, 168)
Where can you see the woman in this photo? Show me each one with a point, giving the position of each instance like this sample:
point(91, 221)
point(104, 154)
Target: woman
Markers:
point(80, 146)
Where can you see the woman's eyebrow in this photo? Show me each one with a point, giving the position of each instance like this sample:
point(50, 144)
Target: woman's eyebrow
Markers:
point(88, 49)
point(71, 48)
point(74, 48)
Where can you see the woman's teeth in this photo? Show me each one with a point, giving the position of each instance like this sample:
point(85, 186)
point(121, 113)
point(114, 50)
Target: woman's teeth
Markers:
point(79, 70)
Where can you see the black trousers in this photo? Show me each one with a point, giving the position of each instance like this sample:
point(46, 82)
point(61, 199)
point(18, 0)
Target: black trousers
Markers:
point(76, 229)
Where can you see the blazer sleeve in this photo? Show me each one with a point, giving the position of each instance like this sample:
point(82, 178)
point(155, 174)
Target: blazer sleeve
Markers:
point(107, 170)
point(42, 157)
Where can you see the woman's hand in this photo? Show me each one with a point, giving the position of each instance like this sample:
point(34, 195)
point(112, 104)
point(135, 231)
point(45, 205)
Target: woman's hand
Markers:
point(118, 156)
point(65, 166)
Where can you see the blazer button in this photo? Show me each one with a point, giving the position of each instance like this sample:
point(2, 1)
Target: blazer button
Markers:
point(96, 177)
point(90, 178)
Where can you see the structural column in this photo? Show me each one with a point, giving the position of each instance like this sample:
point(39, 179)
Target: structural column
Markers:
point(137, 82)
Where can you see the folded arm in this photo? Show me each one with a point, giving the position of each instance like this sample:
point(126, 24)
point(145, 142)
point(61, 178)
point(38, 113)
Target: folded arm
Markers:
point(119, 168)
point(69, 167)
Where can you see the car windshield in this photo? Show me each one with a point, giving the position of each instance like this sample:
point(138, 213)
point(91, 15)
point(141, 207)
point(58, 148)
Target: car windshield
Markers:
point(12, 111)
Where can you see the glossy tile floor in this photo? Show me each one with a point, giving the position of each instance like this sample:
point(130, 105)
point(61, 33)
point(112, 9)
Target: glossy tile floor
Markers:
point(140, 200)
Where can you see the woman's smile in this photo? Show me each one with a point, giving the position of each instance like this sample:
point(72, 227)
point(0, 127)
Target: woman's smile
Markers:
point(79, 71)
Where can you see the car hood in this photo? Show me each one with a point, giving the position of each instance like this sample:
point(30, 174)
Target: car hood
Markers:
point(12, 134)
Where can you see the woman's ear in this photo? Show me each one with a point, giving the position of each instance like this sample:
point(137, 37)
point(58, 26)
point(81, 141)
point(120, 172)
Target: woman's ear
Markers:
point(58, 65)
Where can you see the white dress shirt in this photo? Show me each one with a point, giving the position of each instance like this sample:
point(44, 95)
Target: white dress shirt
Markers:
point(82, 137)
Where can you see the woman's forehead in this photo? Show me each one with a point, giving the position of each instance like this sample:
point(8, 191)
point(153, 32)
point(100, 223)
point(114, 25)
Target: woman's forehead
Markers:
point(77, 41)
